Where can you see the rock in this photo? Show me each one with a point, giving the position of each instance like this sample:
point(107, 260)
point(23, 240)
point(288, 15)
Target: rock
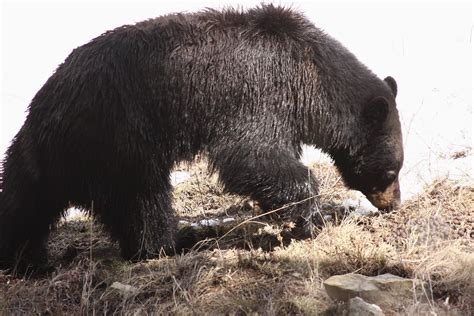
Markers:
point(207, 222)
point(360, 206)
point(124, 288)
point(358, 307)
point(182, 222)
point(354, 307)
point(228, 220)
point(386, 290)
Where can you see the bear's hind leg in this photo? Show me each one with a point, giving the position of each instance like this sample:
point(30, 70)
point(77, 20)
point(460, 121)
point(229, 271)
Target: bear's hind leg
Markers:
point(142, 221)
point(26, 215)
point(22, 246)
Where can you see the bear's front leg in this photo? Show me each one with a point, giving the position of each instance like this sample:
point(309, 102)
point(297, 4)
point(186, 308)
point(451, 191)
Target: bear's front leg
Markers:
point(275, 178)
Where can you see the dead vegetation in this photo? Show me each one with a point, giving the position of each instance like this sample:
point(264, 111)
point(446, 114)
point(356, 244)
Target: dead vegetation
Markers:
point(430, 238)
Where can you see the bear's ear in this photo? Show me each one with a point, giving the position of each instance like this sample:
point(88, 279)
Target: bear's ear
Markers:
point(376, 112)
point(392, 84)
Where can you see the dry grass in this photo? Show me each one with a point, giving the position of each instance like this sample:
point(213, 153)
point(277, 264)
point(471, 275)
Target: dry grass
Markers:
point(430, 238)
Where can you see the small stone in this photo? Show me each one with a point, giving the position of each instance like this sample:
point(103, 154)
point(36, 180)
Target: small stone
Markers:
point(327, 217)
point(358, 307)
point(124, 288)
point(208, 222)
point(228, 219)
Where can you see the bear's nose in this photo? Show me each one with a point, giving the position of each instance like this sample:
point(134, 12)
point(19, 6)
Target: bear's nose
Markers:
point(393, 205)
point(396, 204)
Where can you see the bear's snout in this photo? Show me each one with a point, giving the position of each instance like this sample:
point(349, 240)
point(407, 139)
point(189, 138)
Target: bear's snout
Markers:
point(387, 200)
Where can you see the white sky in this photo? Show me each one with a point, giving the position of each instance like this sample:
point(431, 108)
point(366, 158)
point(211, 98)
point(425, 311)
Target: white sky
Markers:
point(426, 46)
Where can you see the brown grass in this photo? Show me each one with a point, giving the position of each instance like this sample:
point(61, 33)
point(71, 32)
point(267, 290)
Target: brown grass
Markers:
point(430, 238)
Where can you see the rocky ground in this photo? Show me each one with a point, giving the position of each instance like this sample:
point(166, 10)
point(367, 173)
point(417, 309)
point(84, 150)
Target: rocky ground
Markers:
point(243, 267)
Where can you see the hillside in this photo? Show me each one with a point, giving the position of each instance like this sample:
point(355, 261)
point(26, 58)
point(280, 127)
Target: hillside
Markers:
point(246, 269)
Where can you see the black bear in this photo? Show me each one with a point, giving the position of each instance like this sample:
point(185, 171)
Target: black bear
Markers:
point(245, 87)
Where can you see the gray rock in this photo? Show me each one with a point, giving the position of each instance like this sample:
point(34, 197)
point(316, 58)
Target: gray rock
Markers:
point(360, 206)
point(125, 289)
point(206, 222)
point(387, 290)
point(358, 307)
point(228, 220)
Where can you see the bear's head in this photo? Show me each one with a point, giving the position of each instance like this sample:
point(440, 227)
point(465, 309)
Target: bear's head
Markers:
point(372, 166)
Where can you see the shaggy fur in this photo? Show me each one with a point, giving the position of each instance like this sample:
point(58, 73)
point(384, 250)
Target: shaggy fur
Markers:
point(247, 88)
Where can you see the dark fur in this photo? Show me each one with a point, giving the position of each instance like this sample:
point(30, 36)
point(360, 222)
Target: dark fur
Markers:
point(245, 87)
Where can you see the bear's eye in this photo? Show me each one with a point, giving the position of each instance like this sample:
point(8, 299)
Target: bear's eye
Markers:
point(390, 175)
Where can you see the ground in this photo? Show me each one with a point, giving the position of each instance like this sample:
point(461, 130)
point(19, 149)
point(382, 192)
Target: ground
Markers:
point(245, 268)
point(429, 238)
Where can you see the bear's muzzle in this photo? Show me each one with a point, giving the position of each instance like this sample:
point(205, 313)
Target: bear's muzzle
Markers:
point(387, 200)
